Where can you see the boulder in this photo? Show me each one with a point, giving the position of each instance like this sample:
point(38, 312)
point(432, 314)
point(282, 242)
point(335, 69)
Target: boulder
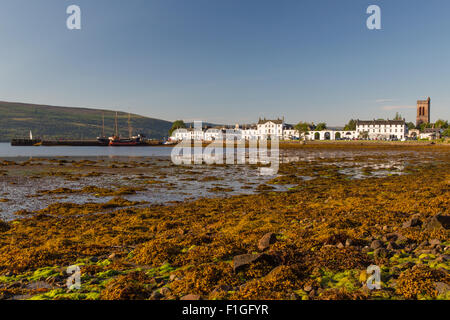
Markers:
point(265, 242)
point(441, 287)
point(112, 256)
point(156, 295)
point(376, 244)
point(439, 221)
point(435, 242)
point(414, 222)
point(348, 242)
point(381, 253)
point(242, 261)
point(307, 288)
point(164, 291)
point(393, 236)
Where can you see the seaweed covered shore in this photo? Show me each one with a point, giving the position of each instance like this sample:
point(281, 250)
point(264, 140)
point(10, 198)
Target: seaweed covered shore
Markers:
point(313, 240)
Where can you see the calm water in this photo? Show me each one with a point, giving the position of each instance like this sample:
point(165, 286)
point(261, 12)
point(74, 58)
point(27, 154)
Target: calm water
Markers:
point(6, 151)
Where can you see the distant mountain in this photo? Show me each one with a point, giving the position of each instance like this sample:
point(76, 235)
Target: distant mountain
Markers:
point(51, 122)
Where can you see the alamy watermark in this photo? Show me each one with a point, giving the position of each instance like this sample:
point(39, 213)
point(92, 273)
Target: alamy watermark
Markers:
point(73, 22)
point(74, 280)
point(374, 280)
point(374, 20)
point(227, 147)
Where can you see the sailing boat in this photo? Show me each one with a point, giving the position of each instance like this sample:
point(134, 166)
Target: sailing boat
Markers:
point(117, 141)
point(103, 140)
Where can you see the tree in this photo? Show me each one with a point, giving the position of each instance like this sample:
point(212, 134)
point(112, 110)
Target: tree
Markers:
point(302, 129)
point(321, 126)
point(179, 124)
point(446, 133)
point(422, 126)
point(441, 124)
point(410, 125)
point(350, 126)
point(398, 116)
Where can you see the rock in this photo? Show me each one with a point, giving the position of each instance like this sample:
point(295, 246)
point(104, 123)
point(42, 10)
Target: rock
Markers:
point(243, 260)
point(441, 287)
point(348, 242)
point(365, 249)
point(340, 245)
point(438, 222)
point(414, 222)
point(381, 253)
point(435, 242)
point(112, 256)
point(93, 259)
point(156, 295)
point(164, 291)
point(393, 236)
point(307, 288)
point(376, 244)
point(172, 277)
point(265, 242)
point(191, 297)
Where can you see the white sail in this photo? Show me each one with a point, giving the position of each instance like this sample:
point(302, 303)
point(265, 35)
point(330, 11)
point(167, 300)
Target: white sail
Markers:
point(31, 135)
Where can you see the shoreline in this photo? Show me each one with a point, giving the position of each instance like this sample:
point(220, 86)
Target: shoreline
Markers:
point(320, 237)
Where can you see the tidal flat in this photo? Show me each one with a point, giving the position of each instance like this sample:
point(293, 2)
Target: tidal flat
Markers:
point(143, 228)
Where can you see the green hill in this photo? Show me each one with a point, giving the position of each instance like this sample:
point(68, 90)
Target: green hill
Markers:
point(51, 122)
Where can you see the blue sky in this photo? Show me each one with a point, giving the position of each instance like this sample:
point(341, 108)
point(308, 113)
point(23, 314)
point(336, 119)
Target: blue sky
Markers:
point(229, 61)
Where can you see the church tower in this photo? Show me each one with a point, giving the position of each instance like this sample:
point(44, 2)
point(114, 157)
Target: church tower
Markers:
point(423, 111)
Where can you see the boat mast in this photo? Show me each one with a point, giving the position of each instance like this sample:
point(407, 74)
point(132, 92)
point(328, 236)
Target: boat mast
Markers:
point(130, 129)
point(103, 124)
point(117, 128)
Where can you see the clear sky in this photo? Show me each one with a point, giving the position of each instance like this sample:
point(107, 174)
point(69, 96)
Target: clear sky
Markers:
point(229, 61)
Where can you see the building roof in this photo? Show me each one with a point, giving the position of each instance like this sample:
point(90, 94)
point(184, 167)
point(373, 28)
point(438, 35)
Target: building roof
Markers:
point(432, 130)
point(263, 121)
point(380, 122)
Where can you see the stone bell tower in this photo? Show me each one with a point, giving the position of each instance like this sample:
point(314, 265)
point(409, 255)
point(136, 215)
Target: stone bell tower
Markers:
point(423, 111)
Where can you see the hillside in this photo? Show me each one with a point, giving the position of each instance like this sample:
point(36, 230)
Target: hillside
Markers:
point(51, 122)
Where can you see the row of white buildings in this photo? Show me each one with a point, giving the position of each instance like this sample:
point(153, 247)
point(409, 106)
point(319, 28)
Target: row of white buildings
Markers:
point(373, 129)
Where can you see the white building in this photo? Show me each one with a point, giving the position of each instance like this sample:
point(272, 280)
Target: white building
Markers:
point(381, 129)
point(267, 128)
point(289, 133)
point(250, 132)
point(331, 135)
point(262, 130)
